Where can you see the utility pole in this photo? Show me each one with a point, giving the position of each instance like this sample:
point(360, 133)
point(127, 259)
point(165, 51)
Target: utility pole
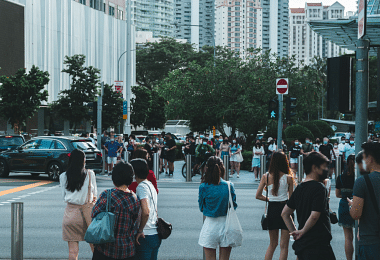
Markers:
point(128, 85)
point(280, 123)
point(99, 118)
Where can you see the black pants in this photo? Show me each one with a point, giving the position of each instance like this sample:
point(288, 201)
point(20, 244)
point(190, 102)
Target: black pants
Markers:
point(317, 253)
point(99, 256)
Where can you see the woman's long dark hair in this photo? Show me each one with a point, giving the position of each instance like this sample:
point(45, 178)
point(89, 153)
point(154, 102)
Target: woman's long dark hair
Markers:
point(215, 170)
point(257, 145)
point(279, 163)
point(75, 171)
point(351, 165)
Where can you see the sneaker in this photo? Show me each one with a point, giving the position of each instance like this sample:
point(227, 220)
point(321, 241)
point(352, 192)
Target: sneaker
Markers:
point(166, 172)
point(238, 176)
point(171, 173)
point(231, 176)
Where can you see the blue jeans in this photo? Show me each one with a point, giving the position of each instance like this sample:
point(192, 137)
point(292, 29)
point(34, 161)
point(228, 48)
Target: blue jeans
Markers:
point(369, 252)
point(148, 248)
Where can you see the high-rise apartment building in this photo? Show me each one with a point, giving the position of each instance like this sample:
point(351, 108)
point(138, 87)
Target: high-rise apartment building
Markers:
point(156, 16)
point(275, 36)
point(238, 24)
point(195, 21)
point(304, 43)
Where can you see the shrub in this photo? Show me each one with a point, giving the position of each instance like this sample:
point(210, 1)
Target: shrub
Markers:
point(324, 127)
point(313, 129)
point(246, 164)
point(297, 132)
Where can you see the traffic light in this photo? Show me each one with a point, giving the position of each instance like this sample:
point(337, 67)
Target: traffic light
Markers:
point(273, 109)
point(93, 110)
point(291, 104)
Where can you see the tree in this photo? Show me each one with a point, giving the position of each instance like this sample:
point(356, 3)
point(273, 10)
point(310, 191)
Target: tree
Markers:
point(297, 132)
point(324, 127)
point(72, 103)
point(22, 94)
point(156, 115)
point(112, 107)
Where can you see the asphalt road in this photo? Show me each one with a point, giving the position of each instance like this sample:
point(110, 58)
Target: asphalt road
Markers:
point(44, 207)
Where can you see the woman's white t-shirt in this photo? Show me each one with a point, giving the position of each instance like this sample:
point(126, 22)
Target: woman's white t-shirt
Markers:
point(255, 150)
point(78, 197)
point(145, 190)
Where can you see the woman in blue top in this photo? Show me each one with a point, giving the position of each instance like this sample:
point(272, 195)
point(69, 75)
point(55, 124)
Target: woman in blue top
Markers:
point(213, 202)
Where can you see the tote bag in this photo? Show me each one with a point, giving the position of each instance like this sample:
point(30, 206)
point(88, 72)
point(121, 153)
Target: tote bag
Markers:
point(233, 232)
point(102, 227)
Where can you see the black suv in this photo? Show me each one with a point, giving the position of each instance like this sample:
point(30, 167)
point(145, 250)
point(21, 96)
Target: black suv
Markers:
point(48, 154)
point(10, 142)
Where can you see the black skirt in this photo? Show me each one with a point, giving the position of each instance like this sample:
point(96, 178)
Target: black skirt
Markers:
point(275, 220)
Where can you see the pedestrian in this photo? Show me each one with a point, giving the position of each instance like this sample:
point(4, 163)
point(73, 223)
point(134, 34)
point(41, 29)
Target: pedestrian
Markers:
point(317, 144)
point(235, 157)
point(105, 138)
point(209, 140)
point(147, 238)
point(149, 148)
point(163, 161)
point(279, 184)
point(365, 204)
point(294, 152)
point(257, 150)
point(126, 207)
point(307, 147)
point(359, 163)
point(112, 149)
point(224, 148)
point(310, 201)
point(218, 142)
point(132, 144)
point(78, 187)
point(213, 201)
point(270, 150)
point(143, 154)
point(171, 146)
point(349, 149)
point(119, 139)
point(202, 153)
point(327, 150)
point(344, 188)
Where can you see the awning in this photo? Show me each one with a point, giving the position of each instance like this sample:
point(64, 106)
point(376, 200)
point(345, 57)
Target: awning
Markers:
point(344, 32)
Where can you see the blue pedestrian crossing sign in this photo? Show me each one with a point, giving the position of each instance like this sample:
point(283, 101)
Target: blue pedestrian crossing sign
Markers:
point(273, 114)
point(125, 109)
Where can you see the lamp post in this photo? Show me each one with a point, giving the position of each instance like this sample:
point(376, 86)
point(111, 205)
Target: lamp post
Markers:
point(118, 64)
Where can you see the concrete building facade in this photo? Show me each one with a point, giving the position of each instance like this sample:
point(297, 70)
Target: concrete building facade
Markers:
point(238, 25)
point(275, 26)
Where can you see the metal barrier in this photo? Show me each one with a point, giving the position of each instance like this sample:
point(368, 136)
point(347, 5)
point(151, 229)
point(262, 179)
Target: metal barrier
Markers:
point(126, 156)
point(226, 162)
point(263, 163)
point(188, 168)
point(17, 225)
point(338, 166)
point(104, 160)
point(300, 168)
point(156, 164)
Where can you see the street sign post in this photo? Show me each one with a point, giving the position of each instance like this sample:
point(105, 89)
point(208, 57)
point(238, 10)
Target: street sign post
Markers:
point(125, 109)
point(282, 86)
point(362, 18)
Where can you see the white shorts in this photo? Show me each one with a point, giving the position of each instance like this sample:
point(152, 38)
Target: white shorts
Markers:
point(293, 160)
point(111, 160)
point(212, 233)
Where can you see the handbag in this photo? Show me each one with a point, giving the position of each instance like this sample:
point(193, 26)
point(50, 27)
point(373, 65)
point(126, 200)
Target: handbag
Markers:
point(86, 208)
point(102, 227)
point(233, 234)
point(264, 218)
point(239, 157)
point(164, 229)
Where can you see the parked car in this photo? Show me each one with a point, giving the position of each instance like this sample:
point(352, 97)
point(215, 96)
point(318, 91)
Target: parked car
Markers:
point(338, 136)
point(49, 155)
point(10, 142)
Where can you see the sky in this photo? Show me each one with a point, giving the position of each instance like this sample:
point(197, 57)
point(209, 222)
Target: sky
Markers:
point(350, 5)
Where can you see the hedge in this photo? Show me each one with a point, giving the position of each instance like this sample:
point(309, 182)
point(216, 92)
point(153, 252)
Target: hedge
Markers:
point(325, 128)
point(313, 129)
point(297, 132)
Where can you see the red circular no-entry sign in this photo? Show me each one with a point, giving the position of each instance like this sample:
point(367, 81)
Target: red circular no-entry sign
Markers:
point(282, 86)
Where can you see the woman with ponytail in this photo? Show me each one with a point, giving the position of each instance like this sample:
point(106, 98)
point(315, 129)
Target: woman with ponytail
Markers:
point(213, 202)
point(279, 182)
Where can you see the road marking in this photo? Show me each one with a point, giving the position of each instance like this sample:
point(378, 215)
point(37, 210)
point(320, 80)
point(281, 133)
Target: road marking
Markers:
point(25, 187)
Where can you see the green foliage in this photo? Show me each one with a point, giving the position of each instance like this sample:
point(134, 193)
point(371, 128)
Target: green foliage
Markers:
point(112, 111)
point(147, 108)
point(22, 94)
point(325, 128)
point(247, 160)
point(297, 132)
point(313, 128)
point(72, 103)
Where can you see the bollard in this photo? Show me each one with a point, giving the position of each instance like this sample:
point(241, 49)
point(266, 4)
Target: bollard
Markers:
point(226, 162)
point(104, 161)
point(188, 168)
point(338, 166)
point(156, 164)
point(262, 165)
point(17, 224)
point(300, 168)
point(126, 156)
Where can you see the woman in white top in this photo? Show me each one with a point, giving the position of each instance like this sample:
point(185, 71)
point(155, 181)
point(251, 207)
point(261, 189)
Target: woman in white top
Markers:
point(147, 238)
point(75, 184)
point(279, 182)
point(257, 150)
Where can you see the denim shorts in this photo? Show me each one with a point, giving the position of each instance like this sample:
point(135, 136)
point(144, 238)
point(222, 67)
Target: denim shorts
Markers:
point(148, 248)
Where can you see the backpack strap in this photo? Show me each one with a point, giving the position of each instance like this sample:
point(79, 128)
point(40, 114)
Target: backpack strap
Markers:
point(372, 194)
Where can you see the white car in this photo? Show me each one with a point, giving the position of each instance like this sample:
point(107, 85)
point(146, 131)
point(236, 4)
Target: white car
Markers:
point(338, 136)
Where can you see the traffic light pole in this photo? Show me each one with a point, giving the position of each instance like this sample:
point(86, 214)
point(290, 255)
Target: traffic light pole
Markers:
point(280, 124)
point(99, 119)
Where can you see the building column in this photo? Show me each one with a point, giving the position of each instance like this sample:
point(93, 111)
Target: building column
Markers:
point(40, 121)
point(66, 128)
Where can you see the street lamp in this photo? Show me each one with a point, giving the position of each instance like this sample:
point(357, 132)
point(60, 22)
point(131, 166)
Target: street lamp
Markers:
point(118, 64)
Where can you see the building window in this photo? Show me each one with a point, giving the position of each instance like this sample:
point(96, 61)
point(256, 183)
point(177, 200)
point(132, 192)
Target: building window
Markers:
point(237, 29)
point(237, 3)
point(237, 13)
point(83, 2)
point(237, 8)
point(111, 10)
point(237, 44)
point(237, 24)
point(237, 34)
point(120, 14)
point(237, 18)
point(237, 39)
